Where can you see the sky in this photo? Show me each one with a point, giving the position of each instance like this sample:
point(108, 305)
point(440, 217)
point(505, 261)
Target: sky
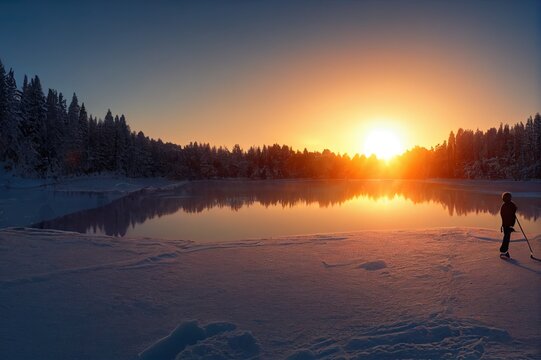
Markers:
point(309, 74)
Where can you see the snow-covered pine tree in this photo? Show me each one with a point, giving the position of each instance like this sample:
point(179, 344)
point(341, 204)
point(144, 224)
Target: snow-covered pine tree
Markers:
point(11, 130)
point(537, 137)
point(34, 113)
point(139, 159)
point(122, 141)
point(537, 131)
point(4, 112)
point(107, 141)
point(518, 145)
point(82, 139)
point(72, 138)
point(92, 144)
point(54, 133)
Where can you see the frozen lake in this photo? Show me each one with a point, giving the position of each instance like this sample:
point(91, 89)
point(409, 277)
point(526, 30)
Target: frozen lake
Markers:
point(212, 211)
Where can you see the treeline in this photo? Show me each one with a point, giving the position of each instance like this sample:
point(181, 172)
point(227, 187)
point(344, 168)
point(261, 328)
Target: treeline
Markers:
point(509, 152)
point(43, 136)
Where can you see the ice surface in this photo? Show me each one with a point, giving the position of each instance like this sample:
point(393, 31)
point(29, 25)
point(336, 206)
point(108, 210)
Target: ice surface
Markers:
point(425, 294)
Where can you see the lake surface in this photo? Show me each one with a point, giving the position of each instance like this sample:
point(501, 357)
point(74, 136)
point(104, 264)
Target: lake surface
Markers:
point(211, 211)
point(21, 207)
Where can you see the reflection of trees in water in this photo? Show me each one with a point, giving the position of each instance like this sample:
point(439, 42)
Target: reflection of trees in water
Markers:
point(115, 218)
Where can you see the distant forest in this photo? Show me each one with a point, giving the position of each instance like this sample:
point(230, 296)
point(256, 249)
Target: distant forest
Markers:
point(42, 136)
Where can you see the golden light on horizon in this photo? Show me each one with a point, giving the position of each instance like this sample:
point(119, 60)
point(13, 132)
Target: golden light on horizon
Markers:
point(382, 142)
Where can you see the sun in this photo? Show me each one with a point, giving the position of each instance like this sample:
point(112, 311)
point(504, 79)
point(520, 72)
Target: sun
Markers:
point(384, 143)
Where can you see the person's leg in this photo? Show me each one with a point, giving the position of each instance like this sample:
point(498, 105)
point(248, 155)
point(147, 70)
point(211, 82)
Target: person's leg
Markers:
point(506, 239)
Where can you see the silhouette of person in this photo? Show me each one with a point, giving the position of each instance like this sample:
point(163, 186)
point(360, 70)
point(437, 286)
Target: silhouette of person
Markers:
point(508, 214)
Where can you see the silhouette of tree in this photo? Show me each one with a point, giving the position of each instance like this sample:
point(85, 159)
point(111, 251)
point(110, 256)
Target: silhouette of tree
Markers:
point(42, 137)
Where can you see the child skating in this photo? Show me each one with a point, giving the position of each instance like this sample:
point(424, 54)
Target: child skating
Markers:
point(508, 214)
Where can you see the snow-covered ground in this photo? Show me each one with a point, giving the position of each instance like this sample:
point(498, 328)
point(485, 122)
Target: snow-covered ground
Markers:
point(426, 294)
point(25, 201)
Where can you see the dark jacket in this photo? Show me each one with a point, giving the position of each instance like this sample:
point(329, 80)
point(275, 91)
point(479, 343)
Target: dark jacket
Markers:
point(507, 212)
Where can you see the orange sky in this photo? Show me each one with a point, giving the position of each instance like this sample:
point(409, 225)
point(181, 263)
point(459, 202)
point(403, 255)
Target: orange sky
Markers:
point(330, 97)
point(314, 74)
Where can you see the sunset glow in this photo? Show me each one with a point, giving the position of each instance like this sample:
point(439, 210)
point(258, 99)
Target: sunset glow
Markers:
point(306, 84)
point(306, 179)
point(383, 143)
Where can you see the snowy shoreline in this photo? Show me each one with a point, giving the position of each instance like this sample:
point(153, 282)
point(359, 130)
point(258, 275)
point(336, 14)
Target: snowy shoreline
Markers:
point(432, 293)
point(28, 201)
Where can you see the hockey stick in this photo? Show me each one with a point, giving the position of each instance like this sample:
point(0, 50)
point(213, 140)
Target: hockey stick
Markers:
point(528, 242)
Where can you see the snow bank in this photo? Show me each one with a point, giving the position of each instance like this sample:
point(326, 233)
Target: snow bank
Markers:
point(426, 294)
point(433, 338)
point(113, 183)
point(218, 340)
point(185, 334)
point(105, 182)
